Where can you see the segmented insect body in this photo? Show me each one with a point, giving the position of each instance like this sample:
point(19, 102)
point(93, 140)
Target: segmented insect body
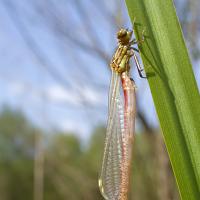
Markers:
point(114, 181)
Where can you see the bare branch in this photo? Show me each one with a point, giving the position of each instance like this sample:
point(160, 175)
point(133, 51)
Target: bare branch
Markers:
point(32, 45)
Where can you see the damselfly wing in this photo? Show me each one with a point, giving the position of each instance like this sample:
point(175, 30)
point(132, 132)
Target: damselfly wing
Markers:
point(115, 173)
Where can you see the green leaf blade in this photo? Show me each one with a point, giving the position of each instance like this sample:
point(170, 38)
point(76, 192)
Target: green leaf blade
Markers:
point(173, 88)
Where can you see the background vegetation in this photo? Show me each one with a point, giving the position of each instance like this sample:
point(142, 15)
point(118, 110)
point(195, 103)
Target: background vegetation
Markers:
point(70, 170)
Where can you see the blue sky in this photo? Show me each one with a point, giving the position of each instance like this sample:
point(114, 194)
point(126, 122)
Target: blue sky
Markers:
point(80, 103)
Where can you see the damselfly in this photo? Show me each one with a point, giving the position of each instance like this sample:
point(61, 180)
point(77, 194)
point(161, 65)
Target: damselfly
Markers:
point(114, 179)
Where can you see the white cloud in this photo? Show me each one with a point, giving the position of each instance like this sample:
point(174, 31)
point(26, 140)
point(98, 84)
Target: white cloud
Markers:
point(17, 88)
point(58, 94)
point(82, 130)
point(91, 96)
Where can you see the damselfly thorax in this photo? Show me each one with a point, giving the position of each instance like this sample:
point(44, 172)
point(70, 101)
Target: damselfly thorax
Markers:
point(120, 60)
point(125, 50)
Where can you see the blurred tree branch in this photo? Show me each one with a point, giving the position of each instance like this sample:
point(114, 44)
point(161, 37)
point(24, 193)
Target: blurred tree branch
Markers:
point(31, 44)
point(190, 22)
point(38, 53)
point(53, 17)
point(58, 20)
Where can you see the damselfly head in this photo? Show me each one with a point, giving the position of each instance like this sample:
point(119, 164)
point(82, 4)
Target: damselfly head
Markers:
point(124, 36)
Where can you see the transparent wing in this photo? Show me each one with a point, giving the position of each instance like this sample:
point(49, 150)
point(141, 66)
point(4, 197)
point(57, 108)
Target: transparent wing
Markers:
point(112, 91)
point(110, 177)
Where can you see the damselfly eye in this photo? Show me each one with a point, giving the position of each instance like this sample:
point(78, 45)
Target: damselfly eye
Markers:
point(121, 33)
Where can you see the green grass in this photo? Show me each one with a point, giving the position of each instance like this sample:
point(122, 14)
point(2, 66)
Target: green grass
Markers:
point(173, 88)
